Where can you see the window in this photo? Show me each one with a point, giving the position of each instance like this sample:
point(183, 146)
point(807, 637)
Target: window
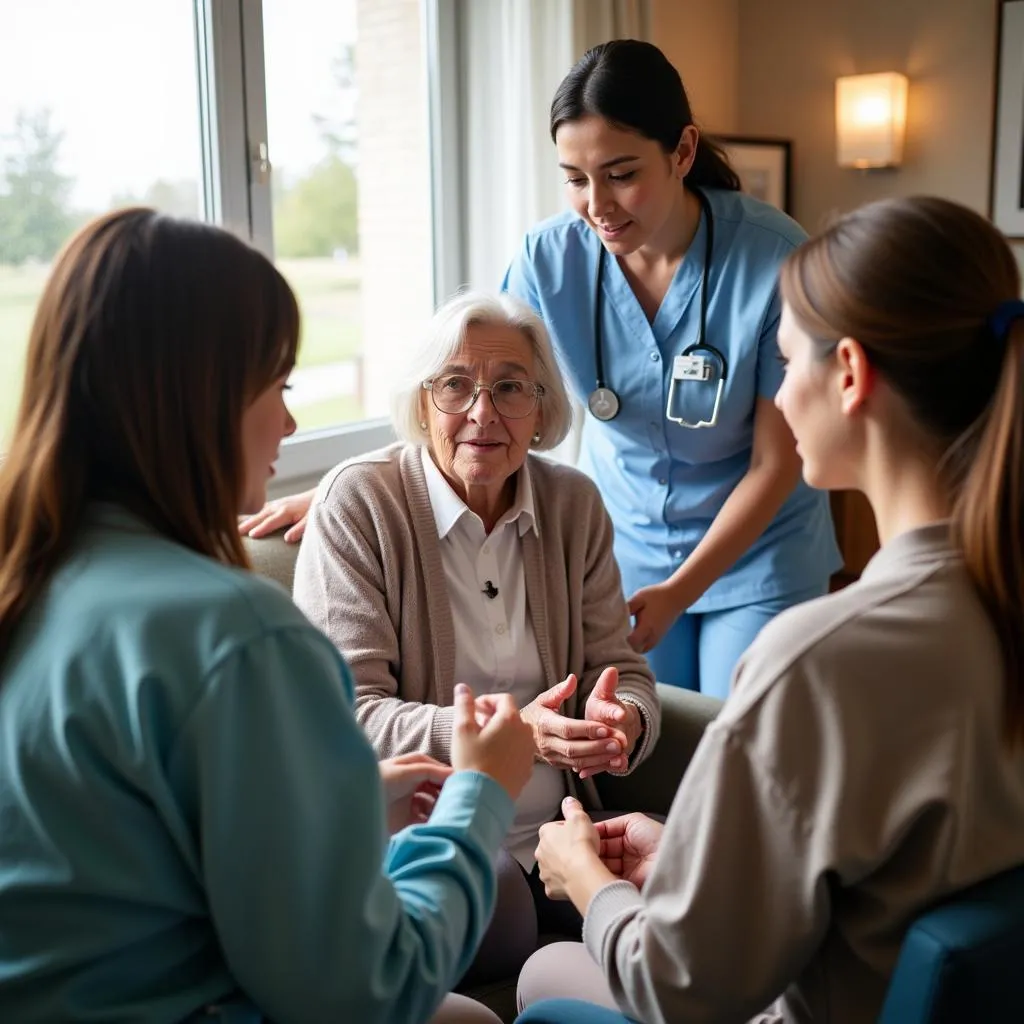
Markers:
point(98, 109)
point(348, 140)
point(303, 125)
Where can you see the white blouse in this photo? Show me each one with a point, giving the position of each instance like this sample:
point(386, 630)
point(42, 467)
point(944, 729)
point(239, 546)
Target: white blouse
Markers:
point(495, 647)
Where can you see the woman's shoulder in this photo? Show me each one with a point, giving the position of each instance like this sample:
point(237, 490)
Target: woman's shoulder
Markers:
point(559, 234)
point(558, 484)
point(137, 597)
point(884, 641)
point(740, 216)
point(367, 477)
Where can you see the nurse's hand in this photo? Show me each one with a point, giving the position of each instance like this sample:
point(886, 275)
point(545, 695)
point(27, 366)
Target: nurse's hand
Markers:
point(277, 514)
point(570, 743)
point(654, 608)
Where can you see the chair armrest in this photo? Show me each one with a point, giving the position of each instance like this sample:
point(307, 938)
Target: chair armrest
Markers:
point(652, 786)
point(271, 557)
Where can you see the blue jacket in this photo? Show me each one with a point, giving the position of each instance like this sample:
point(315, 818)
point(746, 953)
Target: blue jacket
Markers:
point(190, 815)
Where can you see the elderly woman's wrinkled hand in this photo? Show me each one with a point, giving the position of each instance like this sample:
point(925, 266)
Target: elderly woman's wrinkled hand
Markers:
point(275, 515)
point(604, 706)
point(577, 744)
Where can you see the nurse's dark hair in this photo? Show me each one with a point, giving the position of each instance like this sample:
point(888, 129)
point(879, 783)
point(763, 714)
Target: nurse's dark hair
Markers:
point(633, 86)
point(151, 338)
point(916, 281)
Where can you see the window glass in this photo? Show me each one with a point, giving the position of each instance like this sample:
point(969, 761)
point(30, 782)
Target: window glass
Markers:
point(98, 109)
point(348, 142)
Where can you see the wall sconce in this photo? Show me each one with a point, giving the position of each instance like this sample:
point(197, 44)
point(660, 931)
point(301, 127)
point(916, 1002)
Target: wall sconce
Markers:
point(871, 116)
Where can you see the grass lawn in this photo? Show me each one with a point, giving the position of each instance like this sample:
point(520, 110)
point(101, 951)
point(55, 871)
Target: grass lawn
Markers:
point(328, 294)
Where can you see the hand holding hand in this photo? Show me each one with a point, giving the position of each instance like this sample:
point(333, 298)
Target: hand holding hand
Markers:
point(605, 707)
point(576, 744)
point(412, 783)
point(489, 736)
point(629, 845)
point(654, 608)
point(565, 847)
point(277, 514)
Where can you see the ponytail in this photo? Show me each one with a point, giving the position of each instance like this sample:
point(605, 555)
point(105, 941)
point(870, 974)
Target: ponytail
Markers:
point(711, 167)
point(988, 520)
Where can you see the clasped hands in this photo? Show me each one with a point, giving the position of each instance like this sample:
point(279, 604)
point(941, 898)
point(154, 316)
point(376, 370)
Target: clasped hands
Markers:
point(601, 741)
point(577, 856)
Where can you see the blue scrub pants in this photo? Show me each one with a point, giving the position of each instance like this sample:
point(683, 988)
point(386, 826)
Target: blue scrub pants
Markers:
point(700, 651)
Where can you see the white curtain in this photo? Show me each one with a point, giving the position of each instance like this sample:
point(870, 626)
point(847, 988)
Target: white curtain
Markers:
point(514, 54)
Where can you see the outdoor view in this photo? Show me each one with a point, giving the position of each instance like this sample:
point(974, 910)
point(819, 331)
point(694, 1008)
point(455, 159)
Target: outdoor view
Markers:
point(106, 114)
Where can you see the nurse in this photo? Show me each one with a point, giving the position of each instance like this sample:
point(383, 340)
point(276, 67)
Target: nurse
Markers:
point(659, 288)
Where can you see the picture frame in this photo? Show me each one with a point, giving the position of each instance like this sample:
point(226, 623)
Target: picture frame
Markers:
point(1006, 194)
point(764, 166)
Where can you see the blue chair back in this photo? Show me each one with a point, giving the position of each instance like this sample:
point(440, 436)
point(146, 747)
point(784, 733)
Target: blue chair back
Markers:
point(963, 960)
point(569, 1011)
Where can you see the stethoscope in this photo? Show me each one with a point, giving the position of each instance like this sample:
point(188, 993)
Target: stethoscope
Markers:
point(604, 403)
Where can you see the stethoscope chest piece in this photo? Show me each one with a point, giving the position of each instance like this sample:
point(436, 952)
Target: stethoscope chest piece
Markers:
point(604, 403)
point(698, 362)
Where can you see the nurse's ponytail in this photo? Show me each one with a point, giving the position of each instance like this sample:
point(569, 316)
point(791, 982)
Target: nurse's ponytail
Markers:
point(931, 291)
point(632, 85)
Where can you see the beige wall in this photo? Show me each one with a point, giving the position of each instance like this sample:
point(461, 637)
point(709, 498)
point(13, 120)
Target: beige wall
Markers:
point(788, 65)
point(701, 38)
point(768, 67)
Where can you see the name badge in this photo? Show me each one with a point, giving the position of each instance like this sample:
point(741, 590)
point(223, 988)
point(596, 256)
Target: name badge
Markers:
point(691, 368)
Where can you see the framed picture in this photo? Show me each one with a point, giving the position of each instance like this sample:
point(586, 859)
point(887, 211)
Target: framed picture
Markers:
point(764, 166)
point(1007, 190)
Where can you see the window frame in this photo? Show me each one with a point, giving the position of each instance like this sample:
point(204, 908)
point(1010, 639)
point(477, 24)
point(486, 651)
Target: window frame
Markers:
point(237, 194)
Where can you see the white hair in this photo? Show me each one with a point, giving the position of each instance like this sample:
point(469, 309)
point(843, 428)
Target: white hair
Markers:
point(446, 334)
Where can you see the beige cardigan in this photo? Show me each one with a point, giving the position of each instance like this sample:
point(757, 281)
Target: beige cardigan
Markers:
point(369, 574)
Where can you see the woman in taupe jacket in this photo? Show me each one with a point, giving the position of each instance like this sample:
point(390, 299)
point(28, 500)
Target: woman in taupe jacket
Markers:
point(458, 555)
point(870, 759)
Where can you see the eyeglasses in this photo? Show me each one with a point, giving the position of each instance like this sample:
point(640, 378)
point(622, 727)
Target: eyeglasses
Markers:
point(455, 393)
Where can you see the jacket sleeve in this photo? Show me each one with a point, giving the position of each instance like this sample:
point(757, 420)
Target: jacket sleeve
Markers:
point(320, 918)
point(340, 585)
point(734, 907)
point(606, 628)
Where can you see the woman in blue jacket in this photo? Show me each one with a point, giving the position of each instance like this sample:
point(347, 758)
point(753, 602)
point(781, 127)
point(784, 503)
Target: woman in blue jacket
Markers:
point(193, 824)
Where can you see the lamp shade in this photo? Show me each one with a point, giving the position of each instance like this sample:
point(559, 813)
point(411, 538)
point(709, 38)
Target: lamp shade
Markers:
point(871, 118)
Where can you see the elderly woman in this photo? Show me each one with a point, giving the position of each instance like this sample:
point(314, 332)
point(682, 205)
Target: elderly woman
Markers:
point(456, 555)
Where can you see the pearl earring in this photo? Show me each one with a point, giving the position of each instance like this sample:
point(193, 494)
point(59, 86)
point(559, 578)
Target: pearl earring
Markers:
point(423, 425)
point(536, 438)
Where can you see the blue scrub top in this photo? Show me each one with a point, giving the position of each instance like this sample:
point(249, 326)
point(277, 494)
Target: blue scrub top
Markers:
point(664, 484)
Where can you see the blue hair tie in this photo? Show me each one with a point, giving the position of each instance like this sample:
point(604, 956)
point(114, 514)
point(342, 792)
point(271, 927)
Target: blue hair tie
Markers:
point(1002, 319)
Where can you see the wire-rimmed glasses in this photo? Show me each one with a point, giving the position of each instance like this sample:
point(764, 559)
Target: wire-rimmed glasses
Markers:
point(457, 393)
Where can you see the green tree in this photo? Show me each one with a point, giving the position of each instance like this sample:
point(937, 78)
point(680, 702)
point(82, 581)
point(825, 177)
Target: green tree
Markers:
point(35, 218)
point(318, 215)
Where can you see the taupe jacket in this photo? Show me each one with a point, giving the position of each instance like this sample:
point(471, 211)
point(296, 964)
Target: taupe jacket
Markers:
point(857, 774)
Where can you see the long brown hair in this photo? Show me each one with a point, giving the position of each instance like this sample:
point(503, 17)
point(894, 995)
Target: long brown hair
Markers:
point(917, 281)
point(151, 338)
